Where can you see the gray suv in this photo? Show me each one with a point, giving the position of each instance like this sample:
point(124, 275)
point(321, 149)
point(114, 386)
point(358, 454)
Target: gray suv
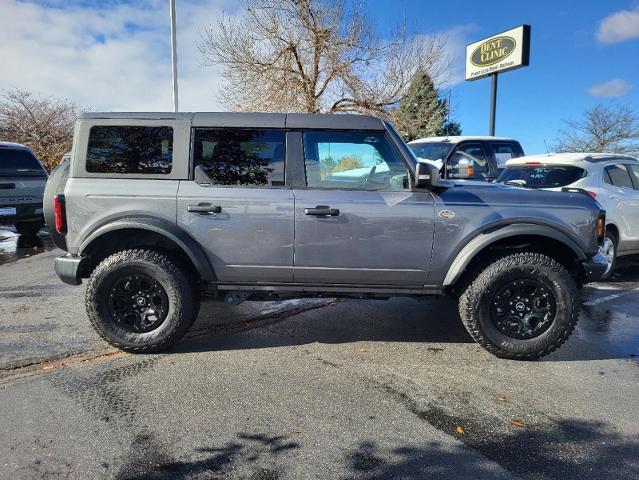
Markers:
point(161, 209)
point(22, 181)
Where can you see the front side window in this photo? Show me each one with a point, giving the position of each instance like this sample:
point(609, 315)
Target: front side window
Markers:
point(130, 149)
point(469, 161)
point(353, 160)
point(618, 176)
point(240, 157)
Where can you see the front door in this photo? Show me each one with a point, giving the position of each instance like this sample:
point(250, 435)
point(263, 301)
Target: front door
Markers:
point(357, 222)
point(244, 220)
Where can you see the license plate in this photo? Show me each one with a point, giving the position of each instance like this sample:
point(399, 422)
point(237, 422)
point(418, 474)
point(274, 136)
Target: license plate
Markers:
point(7, 211)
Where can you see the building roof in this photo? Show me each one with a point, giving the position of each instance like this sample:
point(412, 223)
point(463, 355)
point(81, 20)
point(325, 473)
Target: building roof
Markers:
point(459, 138)
point(253, 120)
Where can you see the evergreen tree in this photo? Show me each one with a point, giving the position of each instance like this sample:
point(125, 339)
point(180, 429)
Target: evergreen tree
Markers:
point(421, 112)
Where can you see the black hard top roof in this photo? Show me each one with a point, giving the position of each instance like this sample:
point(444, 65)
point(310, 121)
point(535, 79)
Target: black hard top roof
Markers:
point(253, 120)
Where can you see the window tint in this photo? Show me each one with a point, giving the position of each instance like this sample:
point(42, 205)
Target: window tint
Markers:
point(541, 177)
point(356, 160)
point(503, 152)
point(618, 176)
point(240, 157)
point(19, 163)
point(128, 149)
point(634, 171)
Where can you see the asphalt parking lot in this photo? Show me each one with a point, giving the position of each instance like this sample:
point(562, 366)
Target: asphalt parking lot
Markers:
point(309, 389)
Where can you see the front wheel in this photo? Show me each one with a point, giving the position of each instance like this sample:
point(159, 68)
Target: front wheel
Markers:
point(521, 306)
point(140, 301)
point(609, 250)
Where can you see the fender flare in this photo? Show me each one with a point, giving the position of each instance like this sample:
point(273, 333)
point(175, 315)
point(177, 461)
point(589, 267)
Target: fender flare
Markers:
point(182, 239)
point(472, 248)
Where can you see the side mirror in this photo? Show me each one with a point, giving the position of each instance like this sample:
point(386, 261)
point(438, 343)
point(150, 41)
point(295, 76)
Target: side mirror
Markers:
point(427, 175)
point(461, 167)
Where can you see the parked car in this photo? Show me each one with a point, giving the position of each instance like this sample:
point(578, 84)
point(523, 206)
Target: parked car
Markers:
point(160, 209)
point(463, 157)
point(22, 181)
point(613, 180)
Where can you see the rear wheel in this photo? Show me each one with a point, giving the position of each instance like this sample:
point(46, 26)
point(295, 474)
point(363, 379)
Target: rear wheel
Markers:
point(140, 301)
point(520, 306)
point(29, 229)
point(609, 250)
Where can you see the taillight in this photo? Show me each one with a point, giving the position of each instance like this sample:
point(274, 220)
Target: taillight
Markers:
point(592, 194)
point(59, 213)
point(601, 226)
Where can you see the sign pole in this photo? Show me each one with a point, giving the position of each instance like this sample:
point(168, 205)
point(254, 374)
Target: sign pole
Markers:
point(493, 104)
point(174, 55)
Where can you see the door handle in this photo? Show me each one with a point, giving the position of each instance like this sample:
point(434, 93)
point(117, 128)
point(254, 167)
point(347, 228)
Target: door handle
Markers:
point(204, 208)
point(322, 211)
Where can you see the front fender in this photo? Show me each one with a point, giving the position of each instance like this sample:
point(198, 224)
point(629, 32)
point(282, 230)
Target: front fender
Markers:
point(162, 227)
point(472, 248)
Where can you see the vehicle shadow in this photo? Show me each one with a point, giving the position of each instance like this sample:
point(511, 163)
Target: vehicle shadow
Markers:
point(431, 322)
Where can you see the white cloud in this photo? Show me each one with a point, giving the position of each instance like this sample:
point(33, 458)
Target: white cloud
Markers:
point(457, 38)
point(114, 56)
point(612, 88)
point(619, 27)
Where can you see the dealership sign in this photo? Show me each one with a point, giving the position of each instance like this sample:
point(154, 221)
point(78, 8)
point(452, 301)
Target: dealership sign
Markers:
point(506, 51)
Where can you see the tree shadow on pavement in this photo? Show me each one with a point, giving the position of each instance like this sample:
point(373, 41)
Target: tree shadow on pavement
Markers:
point(256, 451)
point(567, 449)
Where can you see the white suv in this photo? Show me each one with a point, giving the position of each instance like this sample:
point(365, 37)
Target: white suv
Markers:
point(612, 180)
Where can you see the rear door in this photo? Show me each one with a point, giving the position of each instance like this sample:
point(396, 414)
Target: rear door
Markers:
point(357, 222)
point(244, 221)
point(625, 199)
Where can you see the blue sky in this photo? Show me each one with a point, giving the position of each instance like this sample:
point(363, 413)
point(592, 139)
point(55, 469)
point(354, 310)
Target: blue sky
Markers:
point(114, 55)
point(567, 59)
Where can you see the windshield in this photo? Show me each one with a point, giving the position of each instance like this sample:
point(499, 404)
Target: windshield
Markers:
point(431, 150)
point(541, 177)
point(19, 163)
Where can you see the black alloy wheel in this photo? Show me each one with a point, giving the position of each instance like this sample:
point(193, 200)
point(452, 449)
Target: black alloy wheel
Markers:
point(138, 303)
point(523, 309)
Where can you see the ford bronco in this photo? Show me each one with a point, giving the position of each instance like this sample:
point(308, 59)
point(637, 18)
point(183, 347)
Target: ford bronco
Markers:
point(159, 210)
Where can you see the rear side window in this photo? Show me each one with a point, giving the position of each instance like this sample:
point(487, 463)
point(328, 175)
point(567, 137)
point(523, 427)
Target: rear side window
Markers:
point(130, 150)
point(542, 177)
point(19, 163)
point(503, 152)
point(618, 176)
point(634, 170)
point(240, 157)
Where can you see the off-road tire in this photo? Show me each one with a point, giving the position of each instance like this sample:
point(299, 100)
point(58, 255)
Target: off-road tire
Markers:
point(182, 309)
point(486, 279)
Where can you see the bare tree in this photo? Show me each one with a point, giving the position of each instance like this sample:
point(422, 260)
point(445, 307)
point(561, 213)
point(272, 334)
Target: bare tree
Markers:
point(603, 128)
point(45, 124)
point(315, 56)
